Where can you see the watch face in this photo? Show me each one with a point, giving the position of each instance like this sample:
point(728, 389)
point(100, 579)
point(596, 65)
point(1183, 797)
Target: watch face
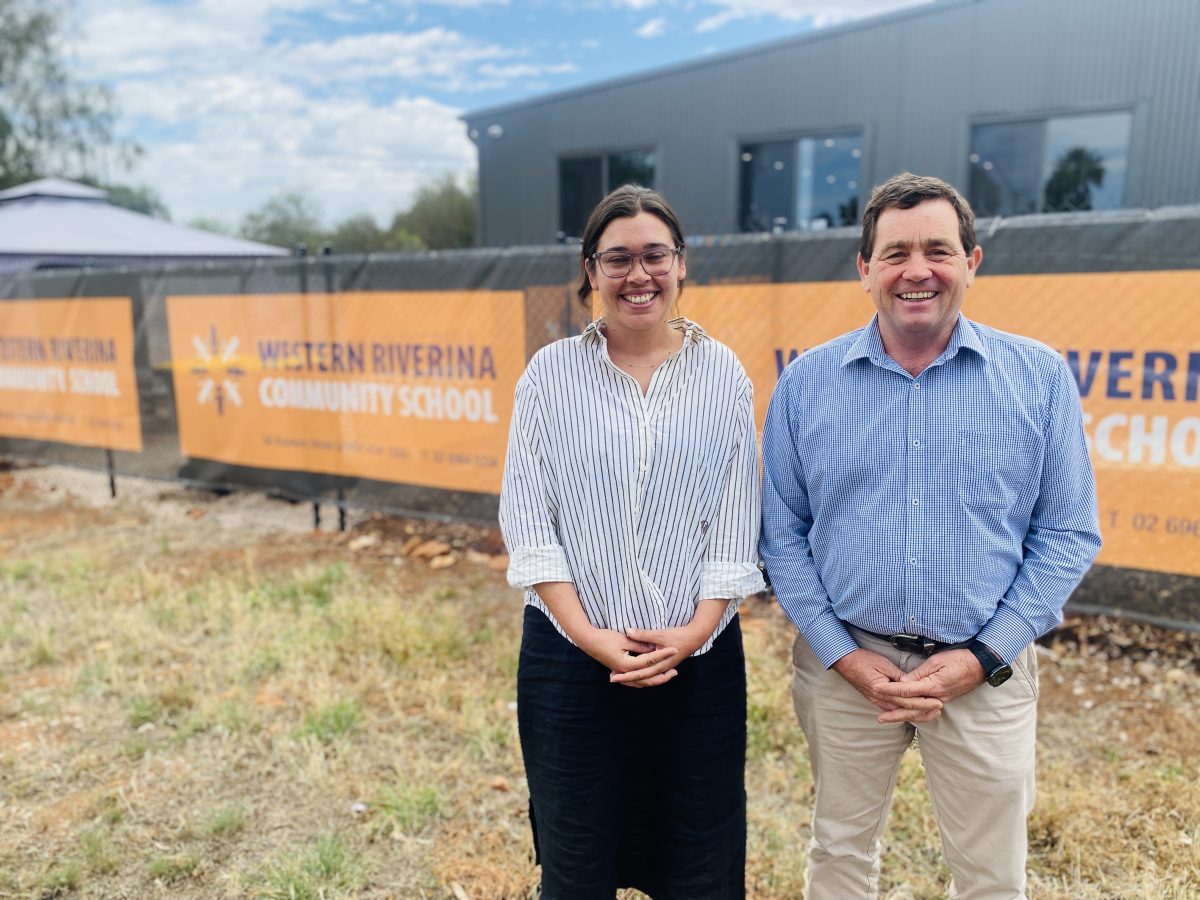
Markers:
point(999, 676)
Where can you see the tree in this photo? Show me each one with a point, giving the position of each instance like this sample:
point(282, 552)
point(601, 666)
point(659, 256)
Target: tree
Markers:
point(139, 198)
point(360, 234)
point(1069, 186)
point(286, 220)
point(208, 223)
point(49, 124)
point(443, 215)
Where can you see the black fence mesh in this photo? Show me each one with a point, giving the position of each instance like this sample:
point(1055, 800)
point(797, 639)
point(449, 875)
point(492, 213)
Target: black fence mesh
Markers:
point(1129, 240)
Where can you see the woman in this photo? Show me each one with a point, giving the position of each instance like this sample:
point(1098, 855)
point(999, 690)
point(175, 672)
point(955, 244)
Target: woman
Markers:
point(630, 508)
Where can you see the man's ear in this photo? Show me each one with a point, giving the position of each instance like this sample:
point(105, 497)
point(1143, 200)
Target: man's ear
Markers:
point(974, 258)
point(864, 270)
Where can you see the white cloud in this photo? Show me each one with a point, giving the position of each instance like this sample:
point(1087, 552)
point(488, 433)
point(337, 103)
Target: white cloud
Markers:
point(434, 54)
point(236, 100)
point(233, 103)
point(652, 29)
point(348, 155)
point(512, 71)
point(822, 12)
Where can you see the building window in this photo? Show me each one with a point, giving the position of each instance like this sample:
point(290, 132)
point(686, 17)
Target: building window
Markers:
point(1049, 165)
point(807, 183)
point(584, 180)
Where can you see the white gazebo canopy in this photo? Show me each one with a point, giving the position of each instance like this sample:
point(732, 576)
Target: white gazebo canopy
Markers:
point(52, 222)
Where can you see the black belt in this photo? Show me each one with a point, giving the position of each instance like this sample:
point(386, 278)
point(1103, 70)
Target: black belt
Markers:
point(914, 643)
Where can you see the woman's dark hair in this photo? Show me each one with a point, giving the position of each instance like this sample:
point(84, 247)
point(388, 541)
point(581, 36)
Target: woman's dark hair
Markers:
point(625, 202)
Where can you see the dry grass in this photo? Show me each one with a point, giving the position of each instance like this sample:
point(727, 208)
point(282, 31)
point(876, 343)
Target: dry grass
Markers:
point(192, 711)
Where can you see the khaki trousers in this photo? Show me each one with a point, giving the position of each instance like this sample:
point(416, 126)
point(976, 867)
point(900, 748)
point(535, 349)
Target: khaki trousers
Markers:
point(979, 767)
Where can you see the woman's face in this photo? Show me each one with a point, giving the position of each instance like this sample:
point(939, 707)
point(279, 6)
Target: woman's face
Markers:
point(637, 301)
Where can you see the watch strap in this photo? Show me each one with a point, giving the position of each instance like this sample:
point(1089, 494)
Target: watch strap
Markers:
point(995, 670)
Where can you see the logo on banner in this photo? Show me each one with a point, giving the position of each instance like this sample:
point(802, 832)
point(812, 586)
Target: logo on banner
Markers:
point(218, 362)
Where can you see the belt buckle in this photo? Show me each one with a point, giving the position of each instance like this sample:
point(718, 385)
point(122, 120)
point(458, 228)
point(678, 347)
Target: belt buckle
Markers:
point(913, 643)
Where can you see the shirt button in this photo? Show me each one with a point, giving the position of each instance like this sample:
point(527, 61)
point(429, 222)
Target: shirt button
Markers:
point(913, 561)
point(916, 385)
point(916, 502)
point(916, 443)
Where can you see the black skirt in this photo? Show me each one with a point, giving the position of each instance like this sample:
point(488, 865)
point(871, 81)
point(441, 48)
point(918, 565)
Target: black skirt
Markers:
point(634, 787)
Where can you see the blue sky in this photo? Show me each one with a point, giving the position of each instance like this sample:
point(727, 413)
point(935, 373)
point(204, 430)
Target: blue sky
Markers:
point(357, 102)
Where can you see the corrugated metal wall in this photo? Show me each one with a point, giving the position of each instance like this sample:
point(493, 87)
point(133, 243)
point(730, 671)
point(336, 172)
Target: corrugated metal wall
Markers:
point(913, 83)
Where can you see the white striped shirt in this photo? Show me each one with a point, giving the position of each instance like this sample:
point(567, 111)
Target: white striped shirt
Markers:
point(648, 504)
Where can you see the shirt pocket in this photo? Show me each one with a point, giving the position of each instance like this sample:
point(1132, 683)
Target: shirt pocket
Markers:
point(992, 469)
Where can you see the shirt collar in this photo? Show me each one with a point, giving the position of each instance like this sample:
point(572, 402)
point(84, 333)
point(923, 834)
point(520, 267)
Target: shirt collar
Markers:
point(692, 333)
point(869, 343)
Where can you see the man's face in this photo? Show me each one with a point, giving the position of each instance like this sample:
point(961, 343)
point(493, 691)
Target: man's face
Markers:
point(918, 274)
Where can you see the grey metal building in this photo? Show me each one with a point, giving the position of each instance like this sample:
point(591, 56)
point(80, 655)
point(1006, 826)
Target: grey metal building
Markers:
point(1026, 105)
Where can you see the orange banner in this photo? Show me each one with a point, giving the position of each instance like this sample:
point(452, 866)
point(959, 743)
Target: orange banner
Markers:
point(412, 387)
point(67, 372)
point(1131, 338)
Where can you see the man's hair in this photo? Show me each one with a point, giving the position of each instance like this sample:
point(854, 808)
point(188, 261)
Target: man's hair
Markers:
point(904, 191)
point(625, 202)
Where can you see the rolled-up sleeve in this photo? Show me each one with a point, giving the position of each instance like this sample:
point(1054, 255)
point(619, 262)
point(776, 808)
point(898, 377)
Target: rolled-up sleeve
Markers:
point(528, 518)
point(729, 568)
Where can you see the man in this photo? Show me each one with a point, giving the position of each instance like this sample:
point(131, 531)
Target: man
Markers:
point(928, 506)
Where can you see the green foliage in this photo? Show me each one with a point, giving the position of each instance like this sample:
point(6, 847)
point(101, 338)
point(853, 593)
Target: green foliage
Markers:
point(215, 226)
point(330, 722)
point(311, 875)
point(107, 809)
point(135, 748)
point(61, 880)
point(265, 661)
point(43, 652)
point(138, 198)
point(141, 198)
point(407, 808)
point(236, 719)
point(172, 868)
point(189, 728)
point(1070, 184)
point(286, 220)
point(225, 823)
point(315, 591)
point(49, 123)
point(92, 679)
point(143, 710)
point(360, 234)
point(97, 853)
point(443, 215)
point(17, 570)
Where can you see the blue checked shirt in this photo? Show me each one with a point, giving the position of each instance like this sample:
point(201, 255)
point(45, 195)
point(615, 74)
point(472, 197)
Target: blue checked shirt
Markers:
point(957, 503)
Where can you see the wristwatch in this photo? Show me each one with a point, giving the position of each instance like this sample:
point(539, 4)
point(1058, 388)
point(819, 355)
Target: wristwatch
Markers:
point(995, 670)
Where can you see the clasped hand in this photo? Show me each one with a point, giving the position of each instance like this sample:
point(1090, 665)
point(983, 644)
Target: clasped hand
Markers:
point(644, 657)
point(916, 696)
